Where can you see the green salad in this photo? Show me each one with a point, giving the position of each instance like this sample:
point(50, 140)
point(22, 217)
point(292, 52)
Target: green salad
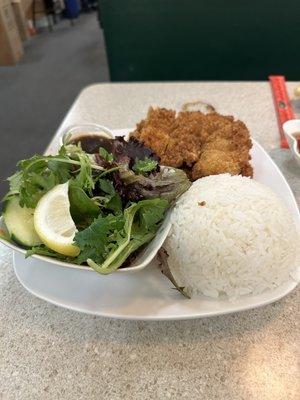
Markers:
point(96, 206)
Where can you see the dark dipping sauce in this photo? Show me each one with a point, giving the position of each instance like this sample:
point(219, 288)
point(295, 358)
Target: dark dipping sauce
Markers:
point(297, 137)
point(91, 143)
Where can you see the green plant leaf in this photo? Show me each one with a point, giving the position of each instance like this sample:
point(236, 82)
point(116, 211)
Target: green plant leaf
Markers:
point(107, 187)
point(152, 213)
point(43, 250)
point(106, 155)
point(137, 231)
point(114, 204)
point(143, 166)
point(83, 210)
point(100, 237)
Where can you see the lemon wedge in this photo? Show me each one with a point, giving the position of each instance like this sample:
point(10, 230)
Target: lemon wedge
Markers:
point(53, 222)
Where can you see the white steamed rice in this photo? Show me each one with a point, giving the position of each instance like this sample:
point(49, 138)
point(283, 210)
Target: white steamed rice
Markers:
point(241, 240)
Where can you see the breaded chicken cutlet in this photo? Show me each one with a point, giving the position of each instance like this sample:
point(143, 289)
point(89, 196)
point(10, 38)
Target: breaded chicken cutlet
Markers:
point(201, 144)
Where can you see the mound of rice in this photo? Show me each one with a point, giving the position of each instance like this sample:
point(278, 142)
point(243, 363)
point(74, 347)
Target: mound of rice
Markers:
point(231, 235)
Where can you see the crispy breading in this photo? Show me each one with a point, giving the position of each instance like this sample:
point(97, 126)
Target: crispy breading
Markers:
point(202, 144)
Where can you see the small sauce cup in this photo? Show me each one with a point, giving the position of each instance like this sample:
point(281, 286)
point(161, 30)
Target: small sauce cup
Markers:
point(291, 131)
point(74, 132)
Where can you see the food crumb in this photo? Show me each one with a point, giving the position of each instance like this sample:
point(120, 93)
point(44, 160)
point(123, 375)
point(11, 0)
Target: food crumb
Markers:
point(201, 203)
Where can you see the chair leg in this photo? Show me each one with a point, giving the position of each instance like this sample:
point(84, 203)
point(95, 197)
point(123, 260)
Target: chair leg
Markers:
point(50, 23)
point(33, 13)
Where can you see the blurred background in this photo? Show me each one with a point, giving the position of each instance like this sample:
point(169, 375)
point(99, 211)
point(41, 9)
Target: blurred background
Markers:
point(51, 49)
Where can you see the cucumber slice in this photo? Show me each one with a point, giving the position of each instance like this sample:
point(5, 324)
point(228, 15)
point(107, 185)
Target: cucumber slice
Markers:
point(19, 223)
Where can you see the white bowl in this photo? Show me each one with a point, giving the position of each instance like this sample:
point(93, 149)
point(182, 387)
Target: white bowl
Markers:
point(290, 128)
point(141, 261)
point(145, 256)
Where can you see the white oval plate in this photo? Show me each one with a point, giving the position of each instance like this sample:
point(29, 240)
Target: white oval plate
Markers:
point(146, 294)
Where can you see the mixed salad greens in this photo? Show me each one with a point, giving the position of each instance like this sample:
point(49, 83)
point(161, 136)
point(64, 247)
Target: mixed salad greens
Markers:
point(118, 195)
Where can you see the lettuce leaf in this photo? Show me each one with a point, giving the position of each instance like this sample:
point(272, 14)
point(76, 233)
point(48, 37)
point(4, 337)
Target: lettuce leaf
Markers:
point(169, 183)
point(82, 208)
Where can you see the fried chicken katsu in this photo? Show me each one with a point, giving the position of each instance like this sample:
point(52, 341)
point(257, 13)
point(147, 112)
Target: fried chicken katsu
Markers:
point(201, 144)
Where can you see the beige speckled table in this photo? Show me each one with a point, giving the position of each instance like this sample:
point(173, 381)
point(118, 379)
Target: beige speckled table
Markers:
point(51, 353)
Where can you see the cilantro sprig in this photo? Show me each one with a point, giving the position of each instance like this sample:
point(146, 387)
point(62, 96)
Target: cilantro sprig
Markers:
point(143, 166)
point(108, 241)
